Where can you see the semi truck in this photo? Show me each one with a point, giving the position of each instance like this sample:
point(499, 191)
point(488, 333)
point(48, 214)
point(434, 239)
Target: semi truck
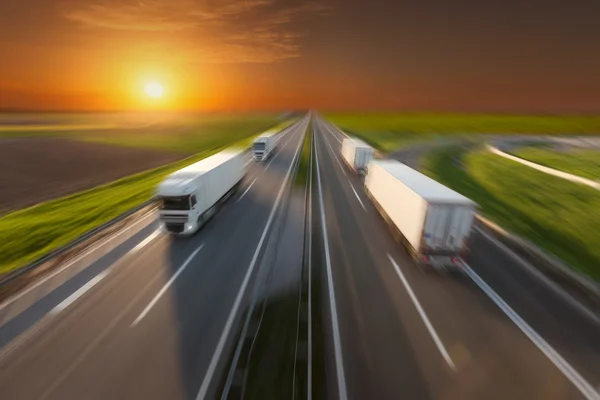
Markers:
point(357, 154)
point(263, 145)
point(188, 198)
point(432, 221)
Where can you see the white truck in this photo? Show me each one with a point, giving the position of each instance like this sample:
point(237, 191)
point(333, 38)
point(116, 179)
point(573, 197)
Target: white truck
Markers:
point(432, 221)
point(357, 154)
point(263, 145)
point(191, 196)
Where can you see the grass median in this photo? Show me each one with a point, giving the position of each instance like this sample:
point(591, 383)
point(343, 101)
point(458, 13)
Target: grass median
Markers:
point(302, 174)
point(584, 163)
point(559, 216)
point(27, 234)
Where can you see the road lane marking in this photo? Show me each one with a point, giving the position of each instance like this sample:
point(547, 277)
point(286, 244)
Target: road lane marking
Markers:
point(86, 253)
point(238, 300)
point(421, 311)
point(78, 293)
point(246, 191)
point(92, 345)
point(336, 159)
point(568, 371)
point(337, 346)
point(543, 278)
point(309, 366)
point(330, 130)
point(278, 151)
point(166, 286)
point(356, 194)
point(144, 242)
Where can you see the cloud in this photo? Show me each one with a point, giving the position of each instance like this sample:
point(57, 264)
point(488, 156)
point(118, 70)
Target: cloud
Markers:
point(218, 31)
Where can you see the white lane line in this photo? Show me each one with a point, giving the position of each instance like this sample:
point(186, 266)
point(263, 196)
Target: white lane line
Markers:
point(336, 159)
point(247, 162)
point(568, 371)
point(337, 346)
point(417, 304)
point(246, 191)
point(356, 194)
point(309, 366)
point(75, 260)
point(144, 242)
point(166, 286)
point(330, 129)
point(278, 152)
point(238, 300)
point(82, 355)
point(540, 276)
point(78, 293)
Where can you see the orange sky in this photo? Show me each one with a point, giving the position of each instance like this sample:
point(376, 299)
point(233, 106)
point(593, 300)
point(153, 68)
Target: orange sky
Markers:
point(282, 54)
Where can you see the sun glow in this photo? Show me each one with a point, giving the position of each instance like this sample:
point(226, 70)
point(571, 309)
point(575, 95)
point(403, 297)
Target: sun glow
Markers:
point(154, 89)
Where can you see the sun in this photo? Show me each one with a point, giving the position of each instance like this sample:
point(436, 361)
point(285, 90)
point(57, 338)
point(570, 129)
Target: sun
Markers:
point(154, 89)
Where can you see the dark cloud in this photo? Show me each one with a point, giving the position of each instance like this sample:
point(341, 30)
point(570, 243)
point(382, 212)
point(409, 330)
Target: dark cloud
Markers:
point(222, 31)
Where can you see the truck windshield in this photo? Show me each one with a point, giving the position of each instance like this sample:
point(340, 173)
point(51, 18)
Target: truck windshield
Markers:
point(175, 203)
point(259, 146)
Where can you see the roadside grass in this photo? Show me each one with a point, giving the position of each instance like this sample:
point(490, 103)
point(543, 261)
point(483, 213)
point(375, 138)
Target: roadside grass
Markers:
point(189, 137)
point(582, 162)
point(27, 234)
point(559, 216)
point(390, 131)
point(184, 133)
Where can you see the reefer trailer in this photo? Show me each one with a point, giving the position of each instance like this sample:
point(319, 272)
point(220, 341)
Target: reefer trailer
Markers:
point(191, 196)
point(431, 220)
point(357, 154)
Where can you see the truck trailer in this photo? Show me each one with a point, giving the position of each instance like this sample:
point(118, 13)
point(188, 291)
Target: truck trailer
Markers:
point(189, 197)
point(263, 145)
point(357, 154)
point(432, 221)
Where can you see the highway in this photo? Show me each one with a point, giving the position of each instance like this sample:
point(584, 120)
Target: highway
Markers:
point(408, 334)
point(154, 321)
point(147, 316)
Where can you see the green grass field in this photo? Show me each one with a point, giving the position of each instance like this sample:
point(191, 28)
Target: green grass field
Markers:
point(557, 215)
point(390, 131)
point(27, 234)
point(177, 132)
point(585, 163)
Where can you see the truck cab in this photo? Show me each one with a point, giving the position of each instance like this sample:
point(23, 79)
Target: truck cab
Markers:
point(260, 150)
point(179, 209)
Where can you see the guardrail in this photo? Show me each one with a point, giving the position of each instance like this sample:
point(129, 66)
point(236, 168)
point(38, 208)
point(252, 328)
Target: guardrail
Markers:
point(9, 282)
point(88, 238)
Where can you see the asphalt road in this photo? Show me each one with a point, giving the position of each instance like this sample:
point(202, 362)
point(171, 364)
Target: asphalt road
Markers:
point(408, 334)
point(155, 317)
point(146, 316)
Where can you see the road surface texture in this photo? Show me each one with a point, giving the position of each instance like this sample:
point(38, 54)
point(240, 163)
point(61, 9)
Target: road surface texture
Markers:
point(157, 321)
point(403, 333)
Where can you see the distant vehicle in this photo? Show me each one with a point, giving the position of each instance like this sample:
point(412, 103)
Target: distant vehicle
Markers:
point(191, 196)
point(357, 154)
point(432, 221)
point(264, 145)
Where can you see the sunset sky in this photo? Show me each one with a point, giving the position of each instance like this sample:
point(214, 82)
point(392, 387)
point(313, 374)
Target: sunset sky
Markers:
point(455, 55)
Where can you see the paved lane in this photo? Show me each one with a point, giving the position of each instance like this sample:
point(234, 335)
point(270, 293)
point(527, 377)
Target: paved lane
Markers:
point(179, 293)
point(408, 334)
